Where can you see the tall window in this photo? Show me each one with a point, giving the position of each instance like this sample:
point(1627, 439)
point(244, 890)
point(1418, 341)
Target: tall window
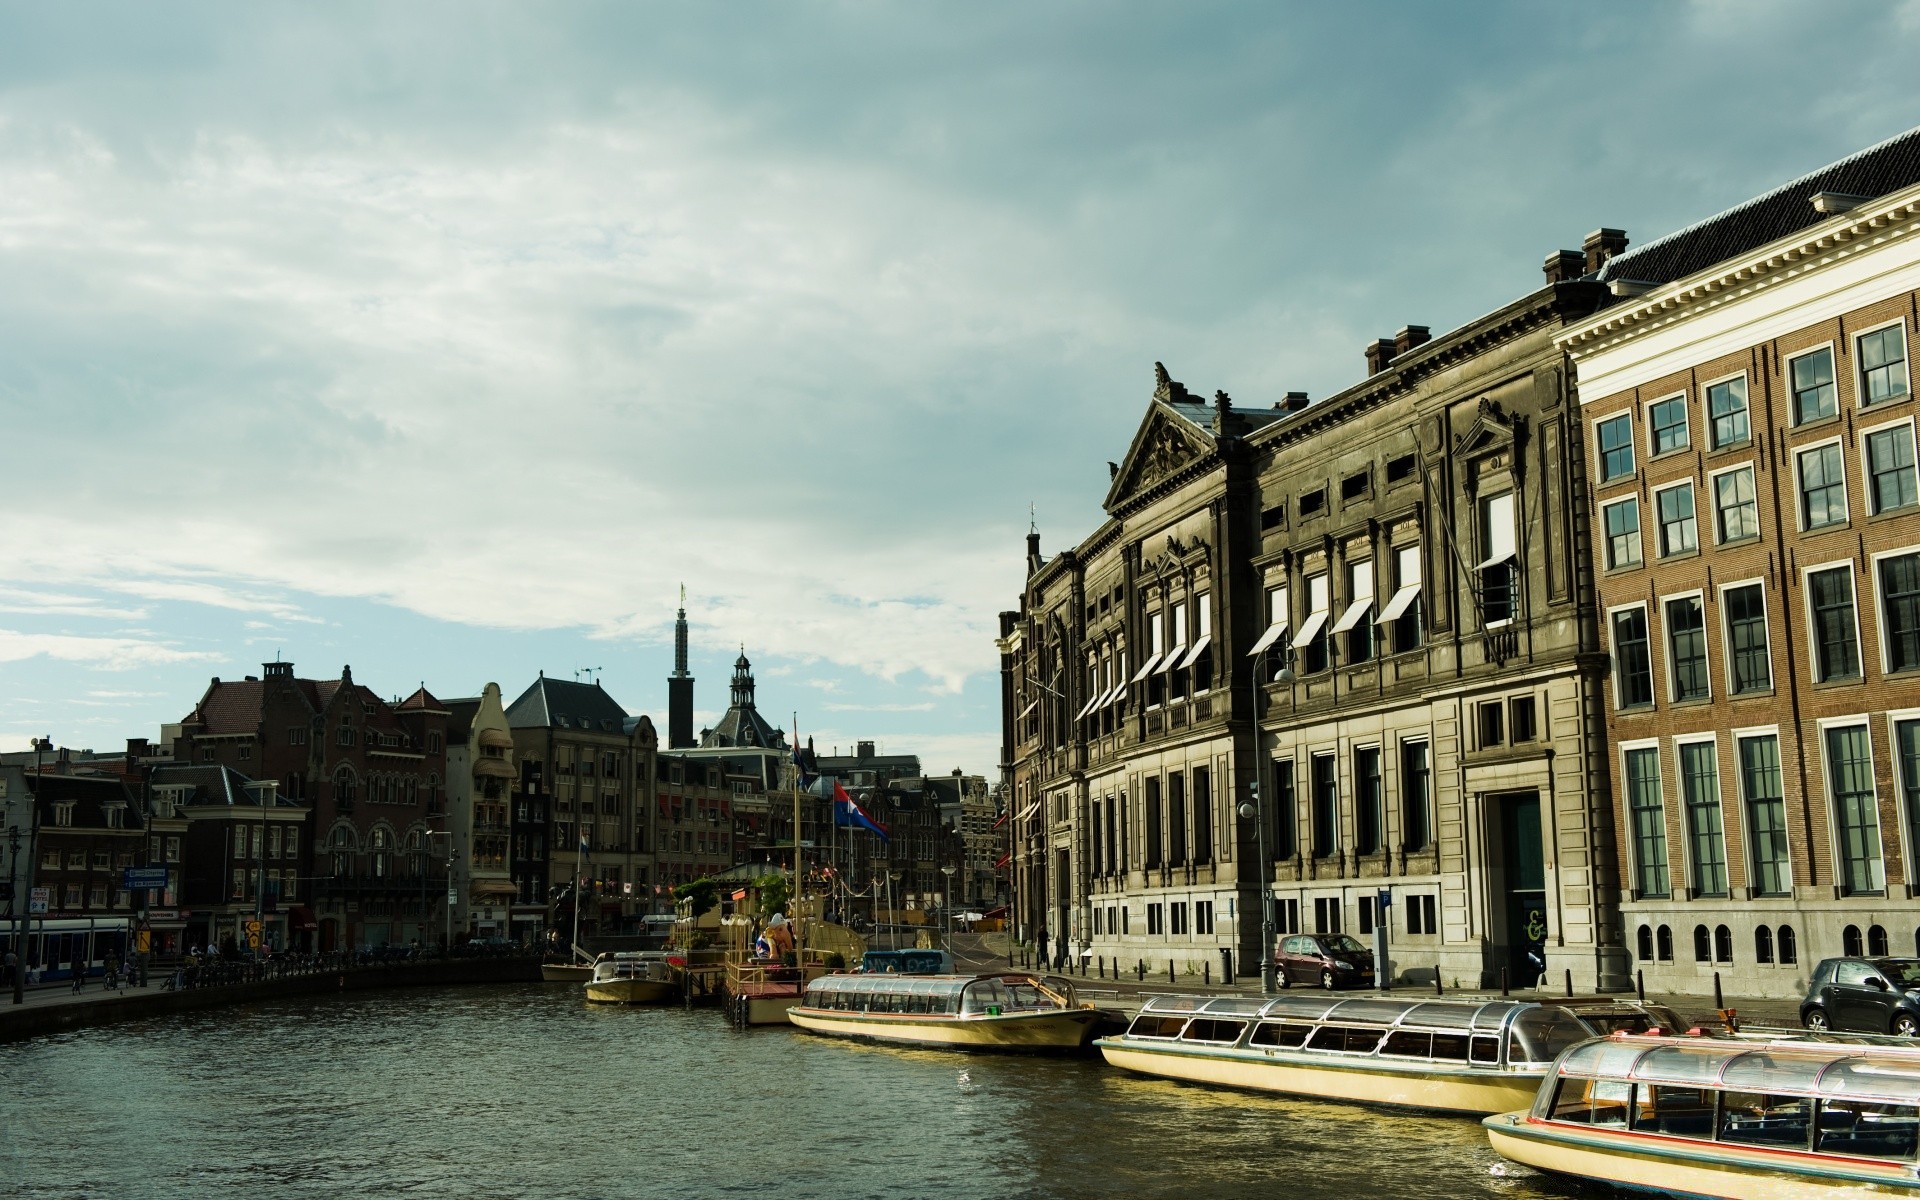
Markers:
point(1727, 406)
point(1615, 440)
point(1368, 817)
point(1823, 487)
point(1811, 376)
point(1687, 648)
point(1749, 666)
point(1850, 783)
point(1766, 813)
point(1706, 840)
point(1326, 806)
point(1736, 515)
point(1415, 782)
point(1153, 844)
point(1356, 622)
point(1497, 547)
point(1648, 820)
point(1202, 815)
point(1402, 614)
point(1906, 746)
point(1836, 638)
point(1177, 817)
point(1900, 610)
point(1311, 641)
point(1286, 842)
point(1678, 534)
point(1623, 533)
point(1632, 658)
point(1883, 365)
point(1890, 474)
point(1667, 424)
point(1201, 655)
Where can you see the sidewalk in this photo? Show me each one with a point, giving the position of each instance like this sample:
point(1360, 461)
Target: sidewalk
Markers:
point(61, 992)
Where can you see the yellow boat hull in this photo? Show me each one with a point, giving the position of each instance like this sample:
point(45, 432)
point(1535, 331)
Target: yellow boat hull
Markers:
point(1055, 1031)
point(633, 991)
point(1350, 1080)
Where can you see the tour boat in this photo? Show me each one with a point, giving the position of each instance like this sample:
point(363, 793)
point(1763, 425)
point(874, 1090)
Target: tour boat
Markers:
point(1457, 1056)
point(1731, 1119)
point(1008, 1012)
point(634, 977)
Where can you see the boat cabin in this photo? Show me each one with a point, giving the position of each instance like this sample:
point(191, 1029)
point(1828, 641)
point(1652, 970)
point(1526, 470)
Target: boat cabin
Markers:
point(952, 995)
point(907, 962)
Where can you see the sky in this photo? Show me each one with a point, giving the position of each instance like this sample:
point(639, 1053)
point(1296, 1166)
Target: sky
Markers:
point(448, 341)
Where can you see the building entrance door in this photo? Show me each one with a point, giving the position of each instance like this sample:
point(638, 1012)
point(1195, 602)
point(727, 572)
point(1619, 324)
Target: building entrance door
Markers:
point(1062, 894)
point(1519, 878)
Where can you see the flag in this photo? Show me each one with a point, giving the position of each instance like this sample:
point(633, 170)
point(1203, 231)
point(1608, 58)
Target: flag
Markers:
point(805, 765)
point(847, 813)
point(584, 848)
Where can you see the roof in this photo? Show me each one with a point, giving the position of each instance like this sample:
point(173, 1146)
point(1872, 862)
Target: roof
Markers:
point(214, 784)
point(564, 704)
point(743, 726)
point(460, 718)
point(89, 795)
point(1786, 210)
point(422, 700)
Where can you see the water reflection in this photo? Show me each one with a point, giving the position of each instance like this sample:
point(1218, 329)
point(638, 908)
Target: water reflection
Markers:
point(528, 1092)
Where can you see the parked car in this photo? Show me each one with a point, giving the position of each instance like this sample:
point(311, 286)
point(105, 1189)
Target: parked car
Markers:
point(1864, 995)
point(1330, 960)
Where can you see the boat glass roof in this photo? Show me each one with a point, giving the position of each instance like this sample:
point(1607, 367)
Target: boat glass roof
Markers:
point(1850, 1071)
point(1428, 1013)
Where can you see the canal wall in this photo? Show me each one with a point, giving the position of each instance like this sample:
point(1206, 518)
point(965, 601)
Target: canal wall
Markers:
point(42, 1016)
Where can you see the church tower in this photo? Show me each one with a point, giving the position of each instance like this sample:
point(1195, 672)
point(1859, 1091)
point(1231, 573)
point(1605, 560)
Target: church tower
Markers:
point(680, 685)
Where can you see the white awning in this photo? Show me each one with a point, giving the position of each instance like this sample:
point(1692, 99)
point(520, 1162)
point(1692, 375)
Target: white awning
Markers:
point(1356, 613)
point(1119, 690)
point(1146, 668)
point(1199, 648)
point(1274, 633)
point(1494, 559)
point(1027, 711)
point(1028, 811)
point(1401, 602)
point(1086, 708)
point(1310, 630)
point(1172, 659)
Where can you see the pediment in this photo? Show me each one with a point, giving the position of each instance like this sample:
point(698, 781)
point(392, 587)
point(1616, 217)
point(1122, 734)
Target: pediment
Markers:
point(1165, 444)
point(1492, 429)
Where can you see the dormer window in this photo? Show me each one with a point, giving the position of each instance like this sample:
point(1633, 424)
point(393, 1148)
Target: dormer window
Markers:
point(116, 816)
point(63, 813)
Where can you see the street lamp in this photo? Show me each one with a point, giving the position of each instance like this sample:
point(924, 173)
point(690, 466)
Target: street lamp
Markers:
point(893, 916)
point(1257, 809)
point(947, 903)
point(22, 920)
point(264, 793)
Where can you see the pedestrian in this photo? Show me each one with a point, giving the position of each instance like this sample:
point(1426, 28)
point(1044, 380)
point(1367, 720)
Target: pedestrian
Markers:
point(13, 966)
point(79, 972)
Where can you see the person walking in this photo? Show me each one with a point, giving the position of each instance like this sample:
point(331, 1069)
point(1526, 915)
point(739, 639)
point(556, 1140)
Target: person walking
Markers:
point(79, 971)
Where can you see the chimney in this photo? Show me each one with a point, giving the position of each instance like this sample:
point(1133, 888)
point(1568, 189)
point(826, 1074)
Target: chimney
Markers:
point(136, 750)
point(1294, 402)
point(1409, 337)
point(1379, 354)
point(1601, 245)
point(863, 749)
point(1564, 265)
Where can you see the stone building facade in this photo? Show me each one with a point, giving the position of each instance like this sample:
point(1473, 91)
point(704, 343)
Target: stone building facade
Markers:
point(1750, 431)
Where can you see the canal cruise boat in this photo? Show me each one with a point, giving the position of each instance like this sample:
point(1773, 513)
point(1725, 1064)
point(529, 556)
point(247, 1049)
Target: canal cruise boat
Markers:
point(635, 977)
point(1470, 1057)
point(1014, 1012)
point(1745, 1119)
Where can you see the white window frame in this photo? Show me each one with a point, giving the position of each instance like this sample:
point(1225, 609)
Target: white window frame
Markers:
point(1606, 531)
point(1799, 487)
point(1659, 525)
point(1859, 363)
point(1894, 719)
point(1836, 853)
point(1600, 455)
point(1726, 641)
point(1719, 799)
point(1786, 382)
point(1706, 409)
point(1812, 624)
point(1713, 492)
point(1698, 595)
point(1879, 605)
point(1614, 660)
point(1686, 424)
point(1735, 737)
point(1866, 462)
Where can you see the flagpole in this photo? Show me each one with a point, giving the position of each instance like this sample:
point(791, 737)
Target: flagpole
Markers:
point(798, 961)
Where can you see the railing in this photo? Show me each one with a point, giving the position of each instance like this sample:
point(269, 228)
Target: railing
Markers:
point(1499, 645)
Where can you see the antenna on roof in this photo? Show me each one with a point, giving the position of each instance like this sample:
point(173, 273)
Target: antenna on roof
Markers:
point(579, 671)
point(1033, 519)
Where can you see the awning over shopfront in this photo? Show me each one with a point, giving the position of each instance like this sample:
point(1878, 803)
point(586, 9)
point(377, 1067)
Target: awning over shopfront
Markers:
point(300, 916)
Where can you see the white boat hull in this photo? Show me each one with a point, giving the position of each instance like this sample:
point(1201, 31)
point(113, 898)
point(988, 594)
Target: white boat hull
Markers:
point(1054, 1031)
point(1360, 1081)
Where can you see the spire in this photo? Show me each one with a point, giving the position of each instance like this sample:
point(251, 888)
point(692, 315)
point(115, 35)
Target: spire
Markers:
point(680, 637)
point(680, 685)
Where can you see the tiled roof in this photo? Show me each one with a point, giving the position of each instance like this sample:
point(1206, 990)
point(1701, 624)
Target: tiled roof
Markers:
point(568, 705)
point(231, 706)
point(89, 795)
point(1787, 209)
point(422, 699)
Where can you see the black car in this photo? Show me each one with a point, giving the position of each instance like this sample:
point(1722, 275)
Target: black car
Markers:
point(1330, 960)
point(1864, 995)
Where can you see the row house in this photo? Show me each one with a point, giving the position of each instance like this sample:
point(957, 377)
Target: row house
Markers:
point(1749, 415)
point(90, 828)
point(482, 778)
point(235, 851)
point(695, 806)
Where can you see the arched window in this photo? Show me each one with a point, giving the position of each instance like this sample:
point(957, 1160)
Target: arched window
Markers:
point(1702, 944)
point(1763, 945)
point(1788, 945)
point(1850, 941)
point(1663, 942)
point(382, 853)
point(1876, 941)
point(340, 848)
point(1722, 944)
point(343, 786)
point(1643, 943)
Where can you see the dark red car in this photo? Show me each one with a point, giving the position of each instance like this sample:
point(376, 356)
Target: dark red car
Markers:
point(1328, 960)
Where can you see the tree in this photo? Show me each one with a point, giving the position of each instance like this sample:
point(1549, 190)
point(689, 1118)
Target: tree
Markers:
point(700, 896)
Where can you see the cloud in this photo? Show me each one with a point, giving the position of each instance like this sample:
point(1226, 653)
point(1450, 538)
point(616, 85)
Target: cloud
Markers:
point(926, 706)
point(101, 653)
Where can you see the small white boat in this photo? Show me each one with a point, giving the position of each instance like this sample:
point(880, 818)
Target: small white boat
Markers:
point(1731, 1119)
point(1019, 1013)
point(634, 977)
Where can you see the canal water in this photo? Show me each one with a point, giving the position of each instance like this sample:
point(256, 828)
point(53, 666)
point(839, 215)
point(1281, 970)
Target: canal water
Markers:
point(524, 1091)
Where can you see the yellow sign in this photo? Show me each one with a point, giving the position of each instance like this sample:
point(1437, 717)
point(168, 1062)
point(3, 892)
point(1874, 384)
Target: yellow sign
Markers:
point(143, 941)
point(253, 929)
point(253, 941)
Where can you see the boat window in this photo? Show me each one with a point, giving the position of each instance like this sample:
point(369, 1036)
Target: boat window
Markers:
point(1894, 1082)
point(1485, 1048)
point(1762, 1119)
point(1151, 1026)
point(1306, 1008)
point(1450, 1046)
point(1593, 1101)
point(1206, 1029)
point(1383, 1012)
point(1346, 1038)
point(1538, 1035)
point(1179, 1004)
point(1025, 995)
point(1409, 1043)
point(1675, 1111)
point(1691, 1063)
point(1493, 1015)
point(1442, 1016)
point(1280, 1033)
point(1867, 1130)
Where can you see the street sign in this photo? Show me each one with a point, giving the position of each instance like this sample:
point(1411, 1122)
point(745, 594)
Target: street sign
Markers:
point(152, 879)
point(38, 900)
point(252, 928)
point(453, 897)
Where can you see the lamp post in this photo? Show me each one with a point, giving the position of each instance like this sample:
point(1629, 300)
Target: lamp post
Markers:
point(264, 792)
point(893, 917)
point(1256, 808)
point(947, 903)
point(22, 921)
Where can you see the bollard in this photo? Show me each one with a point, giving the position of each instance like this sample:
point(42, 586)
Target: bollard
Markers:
point(1437, 989)
point(1505, 991)
point(1206, 974)
point(1719, 1001)
point(1640, 985)
point(1140, 968)
point(1569, 982)
point(1170, 977)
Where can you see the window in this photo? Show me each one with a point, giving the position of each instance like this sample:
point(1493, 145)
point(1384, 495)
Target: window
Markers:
point(1285, 809)
point(1727, 408)
point(1687, 648)
point(1154, 920)
point(1521, 726)
point(1177, 924)
point(1356, 622)
point(1736, 515)
point(1415, 780)
point(1326, 914)
point(1498, 548)
point(1203, 916)
point(1649, 823)
point(1811, 377)
point(1632, 659)
point(1615, 439)
point(1749, 665)
point(1883, 365)
point(1202, 815)
point(1492, 723)
point(1906, 749)
point(1313, 502)
point(1366, 915)
point(1286, 916)
point(1311, 641)
point(1823, 487)
point(1706, 839)
point(1354, 486)
point(1176, 817)
point(1856, 814)
point(1326, 806)
point(1420, 914)
point(1836, 638)
point(1153, 823)
point(1900, 610)
point(1623, 533)
point(1677, 532)
point(1402, 614)
point(1890, 472)
point(1400, 468)
point(1667, 425)
point(1369, 816)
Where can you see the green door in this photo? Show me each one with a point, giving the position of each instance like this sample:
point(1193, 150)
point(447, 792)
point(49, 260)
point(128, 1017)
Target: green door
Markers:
point(1523, 875)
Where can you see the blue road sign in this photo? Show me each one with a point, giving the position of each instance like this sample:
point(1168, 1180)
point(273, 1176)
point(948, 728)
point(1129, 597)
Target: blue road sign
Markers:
point(152, 879)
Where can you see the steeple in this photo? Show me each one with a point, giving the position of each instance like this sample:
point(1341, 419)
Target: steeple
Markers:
point(680, 685)
point(742, 681)
point(680, 637)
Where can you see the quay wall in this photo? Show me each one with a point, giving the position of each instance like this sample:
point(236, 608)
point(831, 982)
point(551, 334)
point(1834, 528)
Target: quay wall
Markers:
point(38, 1020)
